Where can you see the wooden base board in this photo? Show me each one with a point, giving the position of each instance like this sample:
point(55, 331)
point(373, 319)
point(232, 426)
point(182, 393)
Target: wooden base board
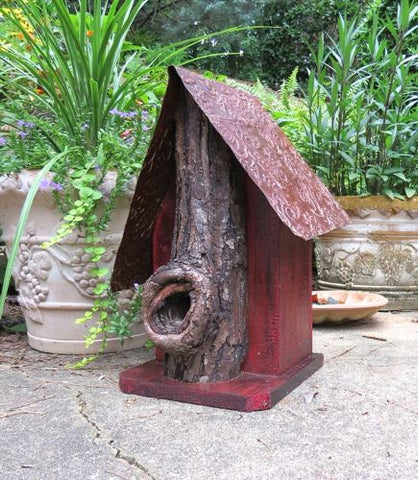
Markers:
point(247, 393)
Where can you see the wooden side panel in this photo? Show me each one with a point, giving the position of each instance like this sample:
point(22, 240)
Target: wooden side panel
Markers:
point(279, 290)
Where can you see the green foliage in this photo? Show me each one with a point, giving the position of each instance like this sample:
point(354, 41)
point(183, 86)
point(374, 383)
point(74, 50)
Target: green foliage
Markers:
point(76, 66)
point(358, 123)
point(270, 53)
point(109, 319)
point(300, 25)
point(361, 128)
point(173, 20)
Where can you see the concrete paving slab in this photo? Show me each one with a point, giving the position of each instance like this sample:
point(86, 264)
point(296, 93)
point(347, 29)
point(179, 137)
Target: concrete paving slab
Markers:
point(355, 419)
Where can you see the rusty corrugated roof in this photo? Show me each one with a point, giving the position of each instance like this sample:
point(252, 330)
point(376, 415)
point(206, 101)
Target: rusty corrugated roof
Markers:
point(295, 193)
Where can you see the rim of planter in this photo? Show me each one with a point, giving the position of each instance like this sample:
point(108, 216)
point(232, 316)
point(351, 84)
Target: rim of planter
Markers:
point(377, 202)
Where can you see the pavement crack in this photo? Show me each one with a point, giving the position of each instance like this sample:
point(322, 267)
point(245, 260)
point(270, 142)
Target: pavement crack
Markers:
point(82, 409)
point(117, 452)
point(133, 461)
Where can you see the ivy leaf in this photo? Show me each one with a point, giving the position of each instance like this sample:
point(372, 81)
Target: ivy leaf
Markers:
point(410, 192)
point(97, 250)
point(100, 288)
point(96, 195)
point(86, 192)
point(99, 272)
point(389, 193)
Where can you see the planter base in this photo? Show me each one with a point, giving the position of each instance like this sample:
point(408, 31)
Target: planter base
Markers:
point(72, 347)
point(246, 393)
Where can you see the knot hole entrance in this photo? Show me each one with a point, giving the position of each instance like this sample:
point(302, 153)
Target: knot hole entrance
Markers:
point(170, 315)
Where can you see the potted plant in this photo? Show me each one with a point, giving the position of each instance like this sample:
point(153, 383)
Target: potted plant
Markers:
point(78, 116)
point(361, 138)
point(78, 104)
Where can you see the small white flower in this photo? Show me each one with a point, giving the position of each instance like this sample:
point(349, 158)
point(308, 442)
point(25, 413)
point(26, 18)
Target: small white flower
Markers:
point(241, 53)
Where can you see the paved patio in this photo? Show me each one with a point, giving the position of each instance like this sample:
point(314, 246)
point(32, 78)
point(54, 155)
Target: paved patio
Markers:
point(355, 419)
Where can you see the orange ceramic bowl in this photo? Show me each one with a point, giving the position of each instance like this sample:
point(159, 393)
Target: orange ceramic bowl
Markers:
point(354, 305)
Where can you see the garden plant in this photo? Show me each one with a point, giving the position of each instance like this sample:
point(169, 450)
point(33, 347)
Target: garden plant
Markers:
point(79, 101)
point(356, 120)
point(362, 106)
point(72, 87)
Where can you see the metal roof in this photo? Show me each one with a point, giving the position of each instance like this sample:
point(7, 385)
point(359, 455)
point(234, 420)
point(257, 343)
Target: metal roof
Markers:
point(293, 190)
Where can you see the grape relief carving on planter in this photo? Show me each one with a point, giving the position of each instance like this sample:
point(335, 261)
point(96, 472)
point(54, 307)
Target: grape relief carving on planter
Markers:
point(394, 260)
point(34, 265)
point(31, 275)
point(75, 264)
point(346, 266)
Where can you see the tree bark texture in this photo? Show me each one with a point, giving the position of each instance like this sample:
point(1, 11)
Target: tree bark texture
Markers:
point(195, 307)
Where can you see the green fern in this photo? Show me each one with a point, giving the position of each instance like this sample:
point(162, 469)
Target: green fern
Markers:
point(288, 89)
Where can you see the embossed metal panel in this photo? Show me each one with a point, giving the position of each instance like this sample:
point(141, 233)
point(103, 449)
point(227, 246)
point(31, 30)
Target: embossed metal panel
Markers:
point(295, 193)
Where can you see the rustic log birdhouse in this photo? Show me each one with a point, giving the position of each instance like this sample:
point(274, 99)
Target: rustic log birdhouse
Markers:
point(219, 230)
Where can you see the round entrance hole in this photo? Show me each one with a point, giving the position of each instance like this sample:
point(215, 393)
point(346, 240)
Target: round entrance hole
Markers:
point(170, 317)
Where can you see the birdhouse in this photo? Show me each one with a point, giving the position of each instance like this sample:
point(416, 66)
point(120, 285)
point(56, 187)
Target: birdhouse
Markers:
point(220, 232)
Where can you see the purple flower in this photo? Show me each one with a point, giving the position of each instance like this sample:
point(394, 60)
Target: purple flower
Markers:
point(22, 123)
point(3, 141)
point(47, 184)
point(85, 126)
point(22, 134)
point(120, 114)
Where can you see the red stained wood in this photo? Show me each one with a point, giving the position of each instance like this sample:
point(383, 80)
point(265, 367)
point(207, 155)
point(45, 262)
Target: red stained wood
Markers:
point(246, 393)
point(164, 228)
point(279, 285)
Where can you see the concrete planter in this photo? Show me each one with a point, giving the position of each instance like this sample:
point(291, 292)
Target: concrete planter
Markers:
point(54, 284)
point(377, 251)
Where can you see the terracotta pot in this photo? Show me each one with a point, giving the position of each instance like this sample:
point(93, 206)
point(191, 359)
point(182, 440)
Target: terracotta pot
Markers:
point(54, 284)
point(377, 251)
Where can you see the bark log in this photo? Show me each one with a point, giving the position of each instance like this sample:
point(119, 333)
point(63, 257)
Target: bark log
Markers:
point(195, 307)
